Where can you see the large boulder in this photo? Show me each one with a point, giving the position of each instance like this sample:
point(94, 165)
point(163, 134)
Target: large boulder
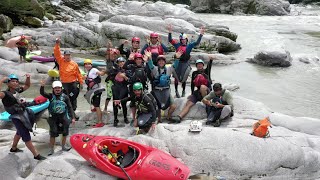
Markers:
point(77, 4)
point(280, 59)
point(261, 7)
point(17, 9)
point(5, 23)
point(33, 21)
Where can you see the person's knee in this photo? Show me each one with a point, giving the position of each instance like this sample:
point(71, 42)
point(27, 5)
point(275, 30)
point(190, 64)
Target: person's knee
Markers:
point(203, 89)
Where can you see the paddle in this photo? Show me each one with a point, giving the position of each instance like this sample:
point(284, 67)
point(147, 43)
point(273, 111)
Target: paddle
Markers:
point(105, 150)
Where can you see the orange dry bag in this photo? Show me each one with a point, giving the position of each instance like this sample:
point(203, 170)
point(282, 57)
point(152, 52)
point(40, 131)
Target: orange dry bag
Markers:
point(260, 128)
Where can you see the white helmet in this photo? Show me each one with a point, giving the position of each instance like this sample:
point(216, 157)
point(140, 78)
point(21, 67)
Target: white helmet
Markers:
point(195, 126)
point(56, 84)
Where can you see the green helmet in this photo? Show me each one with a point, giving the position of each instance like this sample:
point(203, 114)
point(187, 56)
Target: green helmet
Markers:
point(137, 86)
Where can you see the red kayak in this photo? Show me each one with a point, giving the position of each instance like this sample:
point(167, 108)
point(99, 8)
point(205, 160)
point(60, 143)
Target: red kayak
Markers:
point(140, 162)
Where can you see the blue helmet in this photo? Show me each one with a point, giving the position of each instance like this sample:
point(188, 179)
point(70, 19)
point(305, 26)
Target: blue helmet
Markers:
point(12, 76)
point(199, 61)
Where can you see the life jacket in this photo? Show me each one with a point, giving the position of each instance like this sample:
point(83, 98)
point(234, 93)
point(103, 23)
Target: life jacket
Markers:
point(91, 82)
point(163, 80)
point(155, 50)
point(140, 75)
point(58, 106)
point(118, 78)
point(260, 128)
point(199, 80)
point(142, 107)
point(184, 56)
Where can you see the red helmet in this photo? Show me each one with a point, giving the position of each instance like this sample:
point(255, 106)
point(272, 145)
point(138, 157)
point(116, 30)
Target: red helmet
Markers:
point(138, 55)
point(135, 39)
point(154, 35)
point(23, 37)
point(114, 51)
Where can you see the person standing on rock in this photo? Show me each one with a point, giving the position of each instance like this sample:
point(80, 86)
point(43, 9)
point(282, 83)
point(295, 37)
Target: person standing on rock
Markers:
point(135, 48)
point(93, 95)
point(144, 108)
point(219, 105)
point(60, 114)
point(183, 68)
point(112, 55)
point(22, 45)
point(161, 83)
point(21, 116)
point(120, 89)
point(70, 75)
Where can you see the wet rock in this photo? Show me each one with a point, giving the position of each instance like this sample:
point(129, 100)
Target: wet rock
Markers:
point(93, 17)
point(280, 59)
point(5, 23)
point(33, 21)
point(77, 4)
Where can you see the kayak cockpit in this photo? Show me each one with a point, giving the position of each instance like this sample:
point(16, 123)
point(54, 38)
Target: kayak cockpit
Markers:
point(111, 152)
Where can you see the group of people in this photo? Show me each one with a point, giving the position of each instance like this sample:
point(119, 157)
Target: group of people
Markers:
point(141, 76)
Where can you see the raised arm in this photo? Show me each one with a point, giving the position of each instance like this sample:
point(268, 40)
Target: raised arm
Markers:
point(57, 52)
point(27, 83)
point(43, 93)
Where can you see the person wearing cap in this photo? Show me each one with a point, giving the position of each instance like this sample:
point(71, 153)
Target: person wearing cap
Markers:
point(183, 69)
point(61, 115)
point(70, 75)
point(22, 45)
point(112, 55)
point(200, 79)
point(144, 108)
point(219, 105)
point(94, 89)
point(129, 52)
point(119, 89)
point(161, 83)
point(21, 116)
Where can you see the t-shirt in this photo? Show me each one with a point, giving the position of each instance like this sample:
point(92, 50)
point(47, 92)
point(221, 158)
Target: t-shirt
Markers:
point(93, 73)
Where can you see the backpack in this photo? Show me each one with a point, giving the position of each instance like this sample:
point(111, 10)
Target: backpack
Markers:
point(140, 75)
point(58, 106)
point(260, 128)
point(40, 100)
point(163, 80)
point(200, 80)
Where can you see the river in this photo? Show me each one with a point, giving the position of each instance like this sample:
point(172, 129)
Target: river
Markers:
point(294, 90)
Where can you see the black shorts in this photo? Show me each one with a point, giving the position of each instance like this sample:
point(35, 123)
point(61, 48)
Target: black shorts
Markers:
point(22, 51)
point(95, 101)
point(22, 131)
point(59, 124)
point(196, 96)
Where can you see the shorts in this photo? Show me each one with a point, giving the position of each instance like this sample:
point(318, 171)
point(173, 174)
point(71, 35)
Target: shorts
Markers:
point(22, 51)
point(196, 96)
point(109, 85)
point(59, 124)
point(22, 131)
point(95, 100)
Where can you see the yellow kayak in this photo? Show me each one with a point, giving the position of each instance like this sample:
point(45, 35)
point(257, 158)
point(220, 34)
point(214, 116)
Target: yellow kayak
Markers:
point(54, 73)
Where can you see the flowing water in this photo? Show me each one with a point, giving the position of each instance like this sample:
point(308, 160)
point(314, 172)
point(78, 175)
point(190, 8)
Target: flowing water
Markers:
point(294, 90)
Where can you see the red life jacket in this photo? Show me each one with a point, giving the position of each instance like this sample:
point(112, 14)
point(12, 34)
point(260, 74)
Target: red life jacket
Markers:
point(182, 48)
point(200, 80)
point(155, 49)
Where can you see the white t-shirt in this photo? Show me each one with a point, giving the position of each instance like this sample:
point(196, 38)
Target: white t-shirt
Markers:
point(93, 73)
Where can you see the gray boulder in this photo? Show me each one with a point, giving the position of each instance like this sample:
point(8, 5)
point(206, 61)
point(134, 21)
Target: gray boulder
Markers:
point(5, 23)
point(9, 54)
point(33, 21)
point(281, 59)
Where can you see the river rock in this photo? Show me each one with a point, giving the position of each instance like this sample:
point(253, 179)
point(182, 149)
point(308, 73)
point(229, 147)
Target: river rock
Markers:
point(9, 54)
point(261, 7)
point(5, 23)
point(33, 21)
point(281, 59)
point(77, 4)
point(93, 17)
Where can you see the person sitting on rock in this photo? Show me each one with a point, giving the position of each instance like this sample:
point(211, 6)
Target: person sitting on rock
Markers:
point(119, 89)
point(93, 95)
point(202, 81)
point(145, 108)
point(60, 114)
point(219, 105)
point(112, 55)
point(22, 45)
point(161, 83)
point(183, 68)
point(22, 117)
point(70, 75)
point(135, 48)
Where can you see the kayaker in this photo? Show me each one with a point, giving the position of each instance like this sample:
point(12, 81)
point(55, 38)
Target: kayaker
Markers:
point(94, 89)
point(144, 108)
point(61, 114)
point(156, 47)
point(161, 91)
point(183, 68)
point(219, 105)
point(70, 75)
point(120, 90)
point(129, 52)
point(21, 116)
point(22, 45)
point(202, 81)
point(112, 55)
